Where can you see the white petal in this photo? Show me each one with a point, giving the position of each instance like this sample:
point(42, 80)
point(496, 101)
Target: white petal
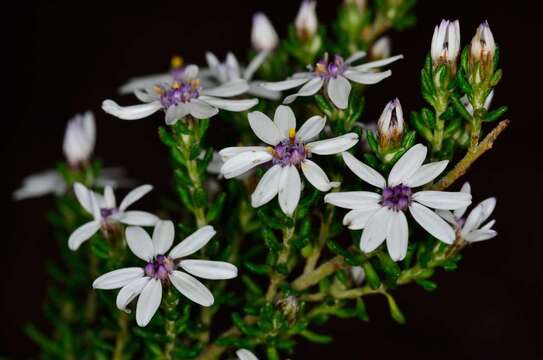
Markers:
point(139, 218)
point(140, 243)
point(311, 128)
point(83, 195)
point(448, 216)
point(316, 176)
point(143, 82)
point(333, 145)
point(82, 234)
point(267, 187)
point(309, 89)
point(377, 63)
point(230, 152)
point(109, 197)
point(432, 223)
point(480, 235)
point(256, 89)
point(255, 63)
point(243, 162)
point(134, 196)
point(191, 288)
point(376, 230)
point(363, 171)
point(368, 78)
point(488, 225)
point(478, 215)
point(338, 91)
point(407, 165)
point(290, 189)
point(230, 105)
point(176, 112)
point(466, 188)
point(193, 242)
point(148, 302)
point(129, 293)
point(352, 199)
point(357, 219)
point(285, 84)
point(355, 56)
point(244, 354)
point(133, 112)
point(265, 128)
point(118, 278)
point(398, 234)
point(163, 236)
point(284, 119)
point(146, 95)
point(232, 88)
point(201, 109)
point(207, 269)
point(426, 173)
point(444, 200)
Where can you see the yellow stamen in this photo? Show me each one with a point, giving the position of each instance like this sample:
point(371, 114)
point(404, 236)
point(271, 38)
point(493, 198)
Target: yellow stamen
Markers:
point(271, 150)
point(195, 83)
point(159, 90)
point(320, 68)
point(292, 133)
point(176, 85)
point(176, 62)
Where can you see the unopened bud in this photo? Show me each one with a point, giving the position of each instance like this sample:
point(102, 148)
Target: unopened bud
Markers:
point(358, 275)
point(483, 46)
point(79, 138)
point(263, 35)
point(446, 43)
point(306, 22)
point(390, 125)
point(289, 306)
point(381, 48)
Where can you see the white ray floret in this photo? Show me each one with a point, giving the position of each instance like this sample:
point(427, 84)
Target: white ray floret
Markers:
point(244, 354)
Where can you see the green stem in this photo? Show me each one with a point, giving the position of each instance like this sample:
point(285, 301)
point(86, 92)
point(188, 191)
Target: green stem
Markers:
point(276, 278)
point(437, 140)
point(122, 336)
point(314, 277)
point(312, 260)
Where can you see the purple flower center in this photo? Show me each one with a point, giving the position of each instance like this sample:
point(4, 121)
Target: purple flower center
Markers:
point(107, 212)
point(289, 151)
point(330, 69)
point(396, 197)
point(160, 267)
point(179, 92)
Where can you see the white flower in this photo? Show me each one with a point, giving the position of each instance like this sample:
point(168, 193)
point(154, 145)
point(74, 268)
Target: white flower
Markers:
point(469, 107)
point(105, 212)
point(381, 215)
point(334, 76)
point(483, 45)
point(381, 48)
point(306, 22)
point(79, 138)
point(181, 97)
point(446, 42)
point(161, 268)
point(288, 151)
point(390, 125)
point(244, 354)
point(263, 35)
point(230, 70)
point(469, 228)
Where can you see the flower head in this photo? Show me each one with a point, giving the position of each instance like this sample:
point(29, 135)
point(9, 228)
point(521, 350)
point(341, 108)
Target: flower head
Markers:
point(106, 213)
point(306, 22)
point(79, 139)
point(390, 125)
point(381, 214)
point(446, 42)
point(334, 73)
point(482, 46)
point(263, 35)
point(161, 269)
point(470, 228)
point(288, 151)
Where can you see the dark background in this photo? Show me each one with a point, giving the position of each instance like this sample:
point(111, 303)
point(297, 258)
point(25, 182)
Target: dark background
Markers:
point(69, 56)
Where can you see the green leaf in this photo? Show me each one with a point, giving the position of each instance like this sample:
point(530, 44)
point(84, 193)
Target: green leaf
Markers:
point(460, 108)
point(270, 240)
point(316, 338)
point(395, 311)
point(495, 114)
point(216, 208)
point(427, 285)
point(372, 141)
point(371, 275)
point(361, 311)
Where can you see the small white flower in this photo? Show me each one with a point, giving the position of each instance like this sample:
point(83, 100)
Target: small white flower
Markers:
point(105, 212)
point(244, 354)
point(334, 75)
point(161, 268)
point(483, 45)
point(263, 35)
point(469, 107)
point(381, 215)
point(79, 138)
point(182, 97)
point(468, 228)
point(306, 22)
point(381, 48)
point(390, 125)
point(288, 151)
point(230, 70)
point(446, 42)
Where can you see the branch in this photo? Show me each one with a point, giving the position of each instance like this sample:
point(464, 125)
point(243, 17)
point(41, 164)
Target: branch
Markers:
point(306, 280)
point(473, 154)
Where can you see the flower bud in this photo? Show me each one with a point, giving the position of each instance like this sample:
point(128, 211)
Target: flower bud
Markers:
point(263, 35)
point(390, 125)
point(483, 46)
point(446, 42)
point(358, 275)
point(306, 22)
point(381, 48)
point(79, 138)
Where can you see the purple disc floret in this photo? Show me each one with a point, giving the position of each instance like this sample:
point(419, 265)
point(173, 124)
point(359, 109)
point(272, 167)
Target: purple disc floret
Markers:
point(397, 197)
point(160, 267)
point(289, 152)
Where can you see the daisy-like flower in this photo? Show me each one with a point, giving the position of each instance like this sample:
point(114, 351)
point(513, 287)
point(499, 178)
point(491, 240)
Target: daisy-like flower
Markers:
point(182, 97)
point(381, 215)
point(106, 213)
point(263, 34)
point(334, 74)
point(482, 45)
point(445, 42)
point(288, 150)
point(244, 354)
point(468, 228)
point(79, 139)
point(161, 270)
point(230, 70)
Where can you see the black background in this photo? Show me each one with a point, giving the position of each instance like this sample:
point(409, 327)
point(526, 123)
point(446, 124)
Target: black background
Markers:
point(69, 56)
